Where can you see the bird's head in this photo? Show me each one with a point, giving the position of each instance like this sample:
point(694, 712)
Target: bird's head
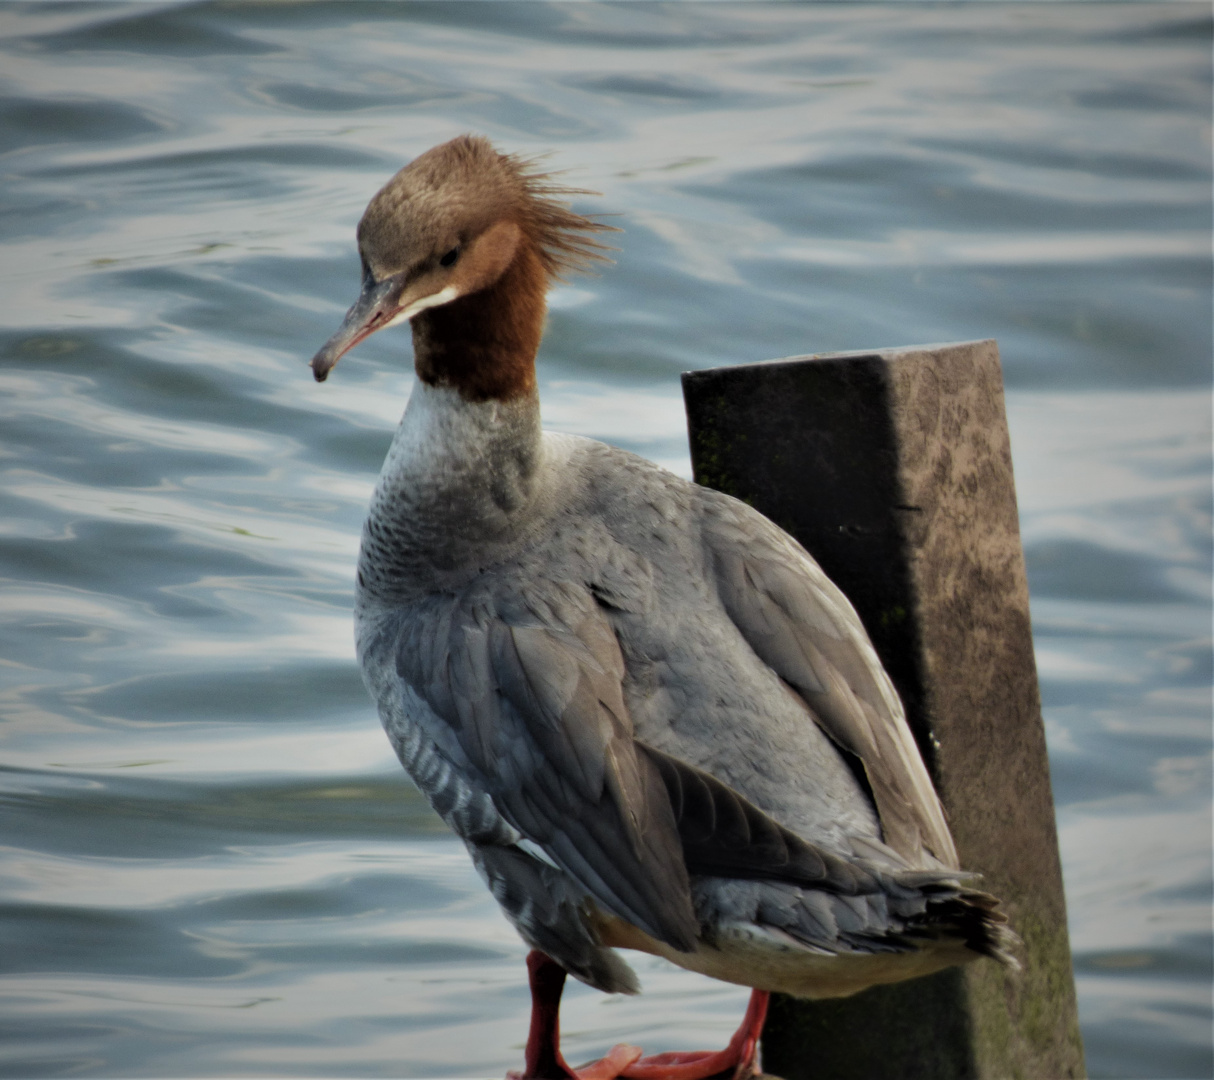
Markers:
point(449, 225)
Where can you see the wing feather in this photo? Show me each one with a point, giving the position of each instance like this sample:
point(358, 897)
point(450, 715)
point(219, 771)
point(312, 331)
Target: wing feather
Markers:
point(804, 628)
point(725, 835)
point(530, 684)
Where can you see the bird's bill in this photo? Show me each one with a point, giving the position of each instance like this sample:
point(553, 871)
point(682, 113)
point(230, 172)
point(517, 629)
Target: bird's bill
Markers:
point(381, 304)
point(375, 308)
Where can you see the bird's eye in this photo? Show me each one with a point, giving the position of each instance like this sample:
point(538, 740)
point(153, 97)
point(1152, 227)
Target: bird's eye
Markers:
point(449, 258)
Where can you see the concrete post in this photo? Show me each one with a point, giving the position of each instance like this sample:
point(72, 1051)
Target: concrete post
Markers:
point(893, 468)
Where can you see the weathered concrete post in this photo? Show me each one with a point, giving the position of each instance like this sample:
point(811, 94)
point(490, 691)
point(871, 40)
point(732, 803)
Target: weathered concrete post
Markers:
point(894, 469)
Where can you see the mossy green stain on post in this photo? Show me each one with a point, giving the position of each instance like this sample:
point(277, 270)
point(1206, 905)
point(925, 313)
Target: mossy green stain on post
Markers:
point(893, 468)
point(893, 616)
point(712, 453)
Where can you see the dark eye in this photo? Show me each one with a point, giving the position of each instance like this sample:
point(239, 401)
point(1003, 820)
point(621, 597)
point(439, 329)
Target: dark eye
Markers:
point(449, 258)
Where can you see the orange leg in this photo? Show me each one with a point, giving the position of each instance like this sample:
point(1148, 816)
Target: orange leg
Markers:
point(543, 1060)
point(739, 1060)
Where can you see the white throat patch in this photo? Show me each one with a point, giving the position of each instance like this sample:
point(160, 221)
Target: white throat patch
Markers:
point(443, 296)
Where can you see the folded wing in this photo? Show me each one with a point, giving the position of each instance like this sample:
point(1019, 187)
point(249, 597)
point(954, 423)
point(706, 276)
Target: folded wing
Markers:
point(804, 628)
point(531, 686)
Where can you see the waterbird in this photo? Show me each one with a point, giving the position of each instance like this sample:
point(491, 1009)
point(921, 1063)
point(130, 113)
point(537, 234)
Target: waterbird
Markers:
point(652, 719)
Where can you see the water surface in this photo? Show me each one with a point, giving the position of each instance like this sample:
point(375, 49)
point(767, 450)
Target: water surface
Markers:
point(211, 865)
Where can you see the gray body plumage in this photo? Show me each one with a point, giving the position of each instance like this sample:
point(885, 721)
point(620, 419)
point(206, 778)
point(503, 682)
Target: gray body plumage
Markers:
point(649, 715)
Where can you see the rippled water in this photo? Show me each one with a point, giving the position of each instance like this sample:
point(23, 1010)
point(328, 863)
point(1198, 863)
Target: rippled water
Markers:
point(211, 864)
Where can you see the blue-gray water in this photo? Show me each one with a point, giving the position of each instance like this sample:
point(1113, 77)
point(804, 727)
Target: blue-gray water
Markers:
point(210, 864)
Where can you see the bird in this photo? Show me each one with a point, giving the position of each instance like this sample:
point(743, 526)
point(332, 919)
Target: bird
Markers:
point(649, 715)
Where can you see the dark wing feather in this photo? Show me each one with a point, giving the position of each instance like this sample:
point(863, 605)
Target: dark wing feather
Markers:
point(804, 628)
point(531, 687)
point(725, 835)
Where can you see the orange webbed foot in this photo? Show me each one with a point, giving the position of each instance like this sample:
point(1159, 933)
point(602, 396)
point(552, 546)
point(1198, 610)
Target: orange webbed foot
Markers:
point(738, 1061)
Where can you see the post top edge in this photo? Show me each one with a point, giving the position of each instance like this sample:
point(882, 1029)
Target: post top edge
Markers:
point(892, 352)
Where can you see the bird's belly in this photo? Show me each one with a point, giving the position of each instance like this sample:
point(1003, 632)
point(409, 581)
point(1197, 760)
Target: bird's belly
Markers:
point(749, 955)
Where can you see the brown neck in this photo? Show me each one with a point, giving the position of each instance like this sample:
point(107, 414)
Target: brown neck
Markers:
point(484, 344)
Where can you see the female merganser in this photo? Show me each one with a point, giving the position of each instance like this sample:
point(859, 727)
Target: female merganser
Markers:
point(649, 715)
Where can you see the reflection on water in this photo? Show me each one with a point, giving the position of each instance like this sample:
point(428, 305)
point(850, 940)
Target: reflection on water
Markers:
point(212, 865)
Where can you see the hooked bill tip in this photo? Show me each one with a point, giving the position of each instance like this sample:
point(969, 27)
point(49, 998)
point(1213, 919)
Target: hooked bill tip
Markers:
point(326, 360)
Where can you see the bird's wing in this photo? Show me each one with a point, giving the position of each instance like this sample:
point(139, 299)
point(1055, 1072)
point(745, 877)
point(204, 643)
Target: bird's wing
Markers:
point(804, 628)
point(725, 835)
point(530, 683)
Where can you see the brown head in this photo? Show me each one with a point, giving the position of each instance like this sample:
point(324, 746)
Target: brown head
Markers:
point(463, 243)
